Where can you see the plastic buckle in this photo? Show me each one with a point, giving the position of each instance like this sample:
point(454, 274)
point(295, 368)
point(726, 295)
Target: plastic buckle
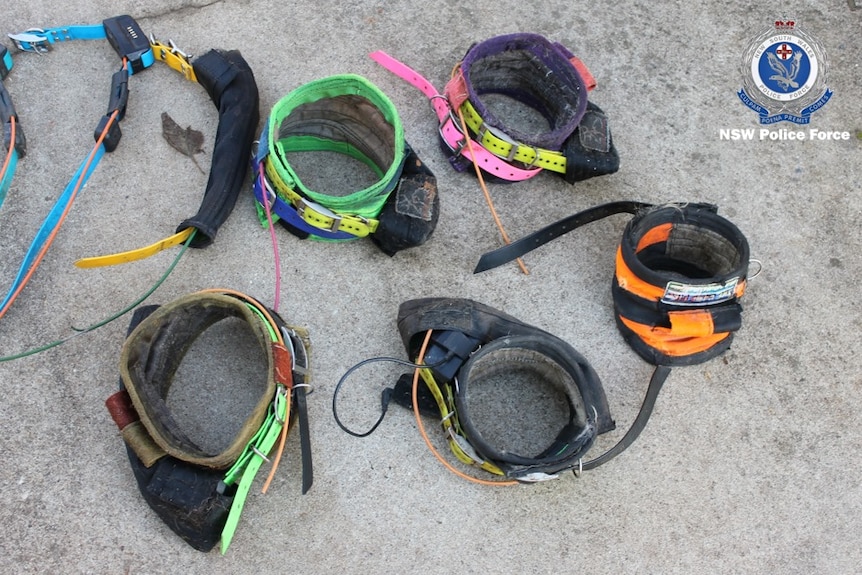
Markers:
point(32, 40)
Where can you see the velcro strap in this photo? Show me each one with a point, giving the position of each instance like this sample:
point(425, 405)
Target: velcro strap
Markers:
point(691, 323)
point(590, 151)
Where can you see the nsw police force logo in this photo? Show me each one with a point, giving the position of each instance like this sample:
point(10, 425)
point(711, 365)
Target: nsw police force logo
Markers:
point(784, 75)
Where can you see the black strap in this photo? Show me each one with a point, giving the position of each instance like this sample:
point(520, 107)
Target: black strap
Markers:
point(659, 376)
point(304, 440)
point(539, 238)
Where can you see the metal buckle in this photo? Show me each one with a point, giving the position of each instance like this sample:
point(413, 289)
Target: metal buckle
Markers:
point(462, 143)
point(178, 52)
point(516, 146)
point(32, 40)
point(300, 205)
point(297, 351)
point(171, 47)
point(280, 391)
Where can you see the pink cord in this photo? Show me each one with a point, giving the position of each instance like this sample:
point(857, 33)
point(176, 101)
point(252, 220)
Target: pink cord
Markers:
point(276, 257)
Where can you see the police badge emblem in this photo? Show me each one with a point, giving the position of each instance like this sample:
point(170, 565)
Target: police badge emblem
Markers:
point(784, 74)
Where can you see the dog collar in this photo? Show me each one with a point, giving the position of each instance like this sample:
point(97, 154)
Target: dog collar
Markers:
point(200, 495)
point(346, 114)
point(470, 344)
point(535, 72)
point(680, 271)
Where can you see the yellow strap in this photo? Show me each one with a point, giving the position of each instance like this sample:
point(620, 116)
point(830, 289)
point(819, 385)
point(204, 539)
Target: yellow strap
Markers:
point(359, 227)
point(508, 150)
point(174, 58)
point(138, 254)
point(179, 61)
point(451, 425)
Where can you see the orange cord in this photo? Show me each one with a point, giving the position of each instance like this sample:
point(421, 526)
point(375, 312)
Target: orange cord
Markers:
point(421, 426)
point(282, 439)
point(53, 234)
point(485, 189)
point(8, 159)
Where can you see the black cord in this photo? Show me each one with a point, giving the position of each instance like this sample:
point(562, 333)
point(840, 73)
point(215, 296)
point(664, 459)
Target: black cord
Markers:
point(386, 394)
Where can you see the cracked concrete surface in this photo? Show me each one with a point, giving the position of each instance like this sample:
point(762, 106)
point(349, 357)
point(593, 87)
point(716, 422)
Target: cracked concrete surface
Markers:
point(750, 463)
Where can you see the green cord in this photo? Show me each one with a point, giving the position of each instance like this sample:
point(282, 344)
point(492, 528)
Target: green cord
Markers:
point(127, 309)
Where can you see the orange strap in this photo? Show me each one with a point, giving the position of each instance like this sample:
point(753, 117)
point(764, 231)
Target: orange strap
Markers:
point(670, 343)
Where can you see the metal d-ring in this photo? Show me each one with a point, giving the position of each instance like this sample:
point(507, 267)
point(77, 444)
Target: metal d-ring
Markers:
point(759, 268)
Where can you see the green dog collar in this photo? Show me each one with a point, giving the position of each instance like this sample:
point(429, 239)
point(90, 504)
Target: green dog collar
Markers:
point(345, 114)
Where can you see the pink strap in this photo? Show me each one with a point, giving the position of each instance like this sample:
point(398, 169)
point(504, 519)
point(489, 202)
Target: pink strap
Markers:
point(449, 129)
point(456, 89)
point(589, 79)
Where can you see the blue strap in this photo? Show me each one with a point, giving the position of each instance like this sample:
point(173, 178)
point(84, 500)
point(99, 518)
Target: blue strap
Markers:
point(7, 177)
point(53, 220)
point(35, 40)
point(288, 213)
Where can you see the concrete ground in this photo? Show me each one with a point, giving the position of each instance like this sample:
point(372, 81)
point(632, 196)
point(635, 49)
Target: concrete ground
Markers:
point(751, 461)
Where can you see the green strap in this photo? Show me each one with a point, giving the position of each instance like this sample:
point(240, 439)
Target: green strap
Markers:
point(366, 202)
point(249, 463)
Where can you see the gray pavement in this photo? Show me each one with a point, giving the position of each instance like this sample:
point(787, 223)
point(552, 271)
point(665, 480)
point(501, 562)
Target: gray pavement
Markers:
point(751, 462)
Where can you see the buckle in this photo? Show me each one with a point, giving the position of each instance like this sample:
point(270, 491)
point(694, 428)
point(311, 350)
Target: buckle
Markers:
point(174, 57)
point(302, 205)
point(298, 351)
point(462, 143)
point(32, 40)
point(174, 50)
point(516, 146)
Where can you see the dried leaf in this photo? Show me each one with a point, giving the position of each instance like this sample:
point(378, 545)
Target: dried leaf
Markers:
point(186, 141)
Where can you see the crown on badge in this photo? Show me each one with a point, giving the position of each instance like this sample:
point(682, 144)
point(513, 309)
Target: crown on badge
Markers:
point(784, 25)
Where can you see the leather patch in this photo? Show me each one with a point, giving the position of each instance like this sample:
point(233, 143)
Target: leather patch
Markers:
point(283, 361)
point(415, 197)
point(138, 438)
point(121, 409)
point(593, 131)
